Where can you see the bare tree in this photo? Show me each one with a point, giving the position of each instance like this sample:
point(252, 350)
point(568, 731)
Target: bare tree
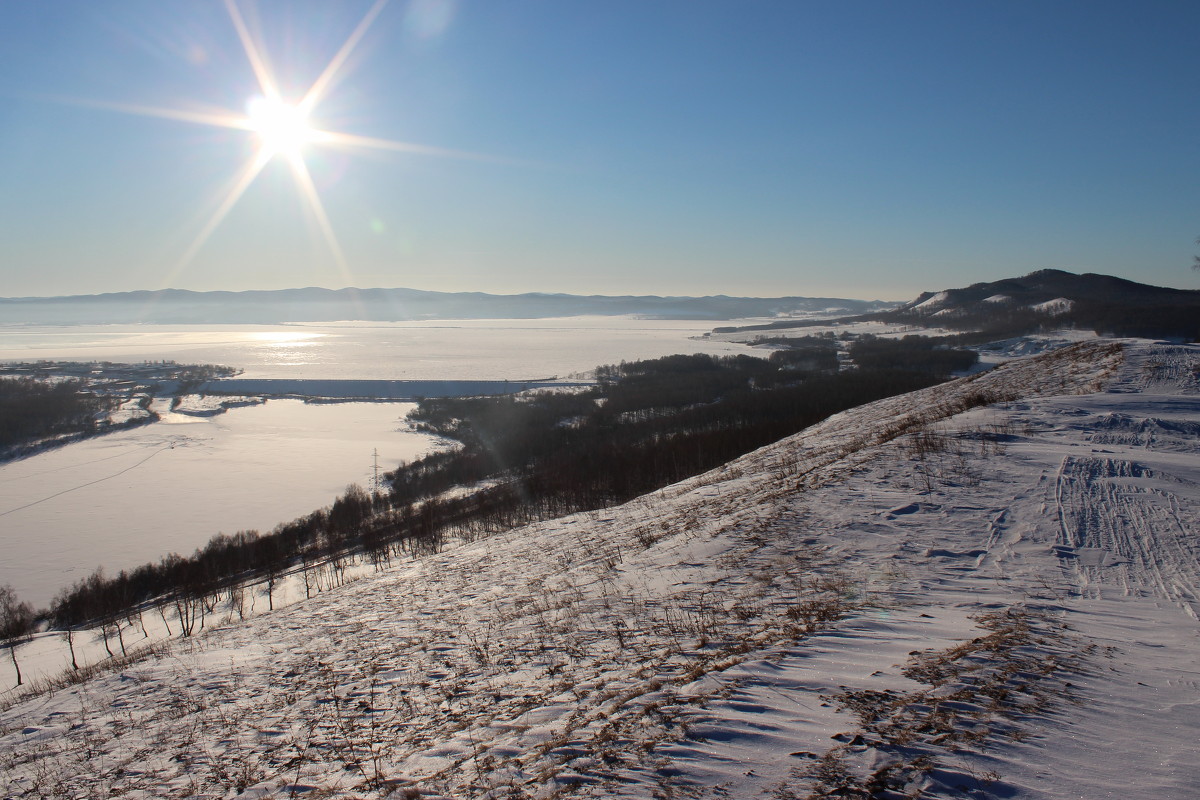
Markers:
point(16, 623)
point(65, 614)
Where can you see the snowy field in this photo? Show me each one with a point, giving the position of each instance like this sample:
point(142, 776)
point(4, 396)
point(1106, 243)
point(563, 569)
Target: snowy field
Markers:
point(884, 330)
point(438, 350)
point(989, 355)
point(984, 589)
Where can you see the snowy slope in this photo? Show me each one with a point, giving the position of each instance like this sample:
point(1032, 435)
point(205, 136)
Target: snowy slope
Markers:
point(1031, 531)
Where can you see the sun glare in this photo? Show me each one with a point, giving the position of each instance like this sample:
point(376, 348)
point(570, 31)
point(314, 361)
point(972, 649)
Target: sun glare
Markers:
point(282, 128)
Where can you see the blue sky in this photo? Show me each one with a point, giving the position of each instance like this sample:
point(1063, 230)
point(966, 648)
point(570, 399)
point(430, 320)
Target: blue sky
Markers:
point(860, 149)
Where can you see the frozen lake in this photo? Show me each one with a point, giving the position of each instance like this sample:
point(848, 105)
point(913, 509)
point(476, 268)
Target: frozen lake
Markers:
point(123, 499)
point(437, 350)
point(130, 497)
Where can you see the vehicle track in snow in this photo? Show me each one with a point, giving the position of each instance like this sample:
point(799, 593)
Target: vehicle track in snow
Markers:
point(1121, 525)
point(70, 489)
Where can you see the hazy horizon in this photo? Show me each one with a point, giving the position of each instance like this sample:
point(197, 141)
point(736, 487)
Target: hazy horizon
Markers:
point(850, 150)
point(514, 294)
point(338, 289)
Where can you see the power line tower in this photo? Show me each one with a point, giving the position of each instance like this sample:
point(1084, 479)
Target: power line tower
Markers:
point(375, 486)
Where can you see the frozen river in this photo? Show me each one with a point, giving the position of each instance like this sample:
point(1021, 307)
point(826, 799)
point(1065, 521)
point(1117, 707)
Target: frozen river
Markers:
point(123, 499)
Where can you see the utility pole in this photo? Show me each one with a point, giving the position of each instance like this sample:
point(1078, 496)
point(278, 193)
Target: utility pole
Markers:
point(375, 480)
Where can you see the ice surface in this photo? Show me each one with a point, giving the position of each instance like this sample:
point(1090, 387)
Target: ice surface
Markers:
point(437, 350)
point(133, 496)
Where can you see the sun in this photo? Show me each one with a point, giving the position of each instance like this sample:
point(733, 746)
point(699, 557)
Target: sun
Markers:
point(283, 129)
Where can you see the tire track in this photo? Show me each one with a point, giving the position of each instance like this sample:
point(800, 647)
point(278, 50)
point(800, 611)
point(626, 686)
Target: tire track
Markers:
point(66, 467)
point(1120, 524)
point(89, 483)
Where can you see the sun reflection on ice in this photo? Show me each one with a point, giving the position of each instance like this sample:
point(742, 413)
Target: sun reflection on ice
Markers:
point(285, 339)
point(288, 349)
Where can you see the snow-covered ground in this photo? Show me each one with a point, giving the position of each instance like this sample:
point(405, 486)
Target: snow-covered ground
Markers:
point(984, 589)
point(990, 354)
point(884, 330)
point(1002, 350)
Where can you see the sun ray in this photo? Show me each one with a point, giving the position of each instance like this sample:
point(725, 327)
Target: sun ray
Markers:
point(216, 118)
point(237, 188)
point(351, 140)
point(317, 90)
point(309, 190)
point(257, 62)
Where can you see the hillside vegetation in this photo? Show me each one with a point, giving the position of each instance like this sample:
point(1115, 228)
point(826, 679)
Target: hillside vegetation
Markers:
point(46, 404)
point(32, 410)
point(522, 458)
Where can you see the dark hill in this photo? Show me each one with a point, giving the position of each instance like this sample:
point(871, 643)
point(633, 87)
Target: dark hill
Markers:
point(1047, 286)
point(1048, 299)
point(1052, 298)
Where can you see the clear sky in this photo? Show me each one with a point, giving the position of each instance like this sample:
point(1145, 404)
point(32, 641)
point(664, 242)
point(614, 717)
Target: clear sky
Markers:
point(846, 148)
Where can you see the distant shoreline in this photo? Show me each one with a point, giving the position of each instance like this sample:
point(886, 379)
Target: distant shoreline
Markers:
point(363, 389)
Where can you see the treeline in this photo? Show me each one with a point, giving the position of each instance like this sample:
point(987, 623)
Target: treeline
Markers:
point(32, 409)
point(523, 458)
point(988, 323)
point(919, 353)
point(645, 425)
point(810, 353)
point(183, 590)
point(1150, 322)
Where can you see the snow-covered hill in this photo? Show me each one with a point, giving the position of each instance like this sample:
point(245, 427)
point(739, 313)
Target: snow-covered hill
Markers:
point(1050, 292)
point(985, 589)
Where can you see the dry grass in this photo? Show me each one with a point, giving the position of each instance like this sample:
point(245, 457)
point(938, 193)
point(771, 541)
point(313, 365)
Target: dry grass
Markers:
point(978, 691)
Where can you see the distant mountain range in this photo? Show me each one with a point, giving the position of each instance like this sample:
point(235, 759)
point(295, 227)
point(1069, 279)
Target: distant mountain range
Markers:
point(175, 306)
